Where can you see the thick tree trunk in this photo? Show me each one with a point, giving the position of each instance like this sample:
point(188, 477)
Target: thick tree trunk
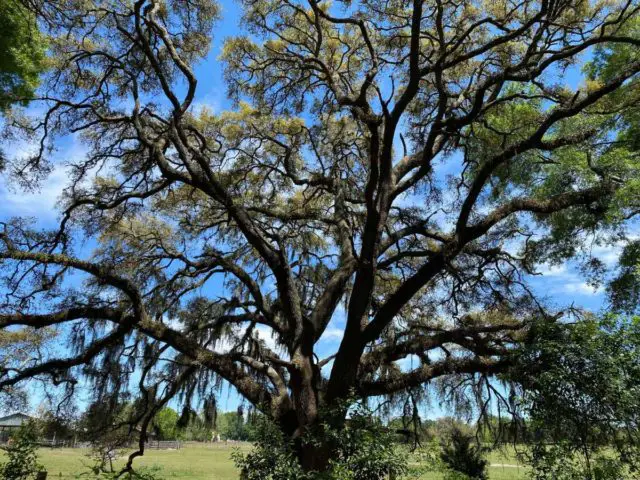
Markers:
point(306, 416)
point(314, 457)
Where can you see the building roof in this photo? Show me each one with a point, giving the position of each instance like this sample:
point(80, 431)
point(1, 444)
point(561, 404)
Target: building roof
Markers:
point(14, 420)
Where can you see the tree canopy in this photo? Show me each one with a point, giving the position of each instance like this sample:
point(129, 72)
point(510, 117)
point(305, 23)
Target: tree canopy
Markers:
point(401, 169)
point(22, 53)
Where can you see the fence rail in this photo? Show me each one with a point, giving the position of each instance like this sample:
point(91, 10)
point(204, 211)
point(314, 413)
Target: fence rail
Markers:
point(164, 444)
point(57, 443)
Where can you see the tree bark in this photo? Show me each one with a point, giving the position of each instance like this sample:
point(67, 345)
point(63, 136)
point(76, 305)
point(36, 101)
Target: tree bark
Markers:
point(308, 415)
point(314, 457)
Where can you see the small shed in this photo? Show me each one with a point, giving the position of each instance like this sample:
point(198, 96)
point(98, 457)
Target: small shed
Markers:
point(13, 421)
point(10, 423)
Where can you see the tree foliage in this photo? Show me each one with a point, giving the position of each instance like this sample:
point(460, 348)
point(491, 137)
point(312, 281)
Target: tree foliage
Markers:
point(363, 450)
point(233, 426)
point(413, 164)
point(22, 53)
point(463, 458)
point(22, 457)
point(582, 395)
point(165, 424)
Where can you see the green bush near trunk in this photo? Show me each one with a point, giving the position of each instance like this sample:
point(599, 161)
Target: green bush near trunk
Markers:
point(362, 449)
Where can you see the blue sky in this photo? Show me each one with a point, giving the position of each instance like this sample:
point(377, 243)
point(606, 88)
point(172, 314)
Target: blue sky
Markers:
point(561, 284)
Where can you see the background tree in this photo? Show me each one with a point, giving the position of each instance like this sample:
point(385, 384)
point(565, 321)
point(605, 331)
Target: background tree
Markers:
point(165, 424)
point(196, 429)
point(58, 426)
point(109, 427)
point(232, 426)
point(463, 457)
point(415, 161)
point(585, 396)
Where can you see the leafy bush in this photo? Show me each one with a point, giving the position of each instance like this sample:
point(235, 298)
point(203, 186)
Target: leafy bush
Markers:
point(581, 393)
point(21, 452)
point(364, 449)
point(272, 457)
point(426, 460)
point(560, 462)
point(361, 450)
point(462, 458)
point(106, 448)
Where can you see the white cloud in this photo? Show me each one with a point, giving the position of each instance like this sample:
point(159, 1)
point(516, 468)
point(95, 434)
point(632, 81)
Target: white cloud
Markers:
point(553, 270)
point(41, 203)
point(209, 102)
point(332, 335)
point(173, 322)
point(408, 363)
point(326, 368)
point(266, 334)
point(562, 280)
point(582, 288)
point(609, 257)
point(334, 332)
point(610, 254)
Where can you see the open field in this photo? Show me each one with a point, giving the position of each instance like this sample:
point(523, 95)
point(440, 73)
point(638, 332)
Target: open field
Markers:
point(211, 462)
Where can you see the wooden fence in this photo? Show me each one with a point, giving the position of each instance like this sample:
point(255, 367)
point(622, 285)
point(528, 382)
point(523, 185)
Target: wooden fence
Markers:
point(164, 445)
point(152, 445)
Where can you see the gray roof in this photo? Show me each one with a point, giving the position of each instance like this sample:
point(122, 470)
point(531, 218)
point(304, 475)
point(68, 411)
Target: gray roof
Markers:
point(14, 420)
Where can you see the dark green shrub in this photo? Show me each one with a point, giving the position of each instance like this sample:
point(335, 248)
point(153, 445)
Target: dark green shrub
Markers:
point(560, 462)
point(22, 456)
point(461, 456)
point(272, 457)
point(362, 449)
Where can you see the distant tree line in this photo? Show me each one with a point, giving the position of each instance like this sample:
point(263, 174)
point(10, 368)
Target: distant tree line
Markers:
point(168, 424)
point(241, 425)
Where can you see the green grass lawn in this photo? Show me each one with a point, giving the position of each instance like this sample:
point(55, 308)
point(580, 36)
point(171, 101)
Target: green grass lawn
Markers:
point(212, 462)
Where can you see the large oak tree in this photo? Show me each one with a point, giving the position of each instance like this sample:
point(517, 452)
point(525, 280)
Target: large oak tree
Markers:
point(415, 161)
